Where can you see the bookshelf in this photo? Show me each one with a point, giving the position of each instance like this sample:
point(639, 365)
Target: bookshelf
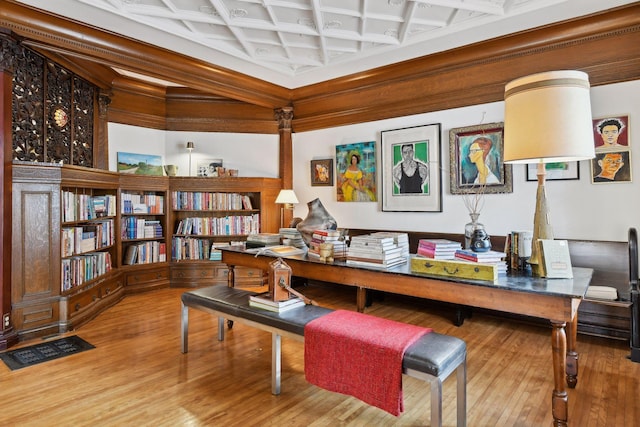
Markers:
point(89, 281)
point(68, 219)
point(208, 212)
point(143, 229)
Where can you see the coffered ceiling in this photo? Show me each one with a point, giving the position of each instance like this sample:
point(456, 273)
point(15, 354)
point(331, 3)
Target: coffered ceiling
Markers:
point(293, 43)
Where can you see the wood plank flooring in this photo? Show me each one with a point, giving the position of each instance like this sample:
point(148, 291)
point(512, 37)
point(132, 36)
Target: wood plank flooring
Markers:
point(136, 375)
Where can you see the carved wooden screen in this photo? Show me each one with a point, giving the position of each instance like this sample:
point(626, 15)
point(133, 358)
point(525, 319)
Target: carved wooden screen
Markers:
point(53, 112)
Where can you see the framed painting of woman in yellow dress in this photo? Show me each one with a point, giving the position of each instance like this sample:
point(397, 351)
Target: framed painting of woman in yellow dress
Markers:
point(356, 172)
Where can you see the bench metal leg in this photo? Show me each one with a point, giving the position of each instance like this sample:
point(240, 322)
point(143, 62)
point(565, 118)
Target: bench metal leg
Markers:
point(185, 329)
point(436, 403)
point(276, 363)
point(461, 392)
point(220, 328)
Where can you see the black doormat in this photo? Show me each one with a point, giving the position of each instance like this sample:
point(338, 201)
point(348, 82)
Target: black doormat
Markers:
point(38, 353)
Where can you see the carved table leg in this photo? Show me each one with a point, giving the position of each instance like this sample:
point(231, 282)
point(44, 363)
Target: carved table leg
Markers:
point(231, 281)
point(231, 276)
point(361, 299)
point(572, 354)
point(559, 399)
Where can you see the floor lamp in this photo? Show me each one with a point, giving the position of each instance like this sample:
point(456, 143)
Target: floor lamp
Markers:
point(547, 119)
point(286, 198)
point(190, 147)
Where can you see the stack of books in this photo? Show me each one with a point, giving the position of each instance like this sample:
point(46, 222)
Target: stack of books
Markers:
point(375, 251)
point(328, 236)
point(438, 248)
point(260, 240)
point(399, 238)
point(496, 258)
point(292, 237)
point(265, 302)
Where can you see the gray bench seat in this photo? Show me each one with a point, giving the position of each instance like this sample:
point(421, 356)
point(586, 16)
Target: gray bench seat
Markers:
point(432, 358)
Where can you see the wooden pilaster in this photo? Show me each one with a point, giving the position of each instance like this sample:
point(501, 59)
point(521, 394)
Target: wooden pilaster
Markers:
point(284, 116)
point(8, 336)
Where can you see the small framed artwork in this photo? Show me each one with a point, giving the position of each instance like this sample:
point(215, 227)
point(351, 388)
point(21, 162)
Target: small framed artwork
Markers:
point(356, 172)
point(611, 167)
point(476, 157)
point(139, 164)
point(411, 163)
point(322, 172)
point(556, 171)
point(611, 133)
point(209, 167)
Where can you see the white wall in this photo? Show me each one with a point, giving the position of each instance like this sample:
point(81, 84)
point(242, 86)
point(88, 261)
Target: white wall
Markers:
point(579, 209)
point(254, 155)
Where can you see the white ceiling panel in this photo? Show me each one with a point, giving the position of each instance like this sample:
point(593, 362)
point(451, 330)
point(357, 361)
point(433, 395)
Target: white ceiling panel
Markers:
point(297, 42)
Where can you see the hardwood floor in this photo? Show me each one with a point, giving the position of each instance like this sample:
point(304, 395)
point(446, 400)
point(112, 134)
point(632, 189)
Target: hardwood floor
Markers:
point(136, 375)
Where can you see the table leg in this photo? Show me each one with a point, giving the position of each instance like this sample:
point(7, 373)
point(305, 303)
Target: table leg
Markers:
point(231, 282)
point(572, 354)
point(231, 276)
point(559, 398)
point(361, 299)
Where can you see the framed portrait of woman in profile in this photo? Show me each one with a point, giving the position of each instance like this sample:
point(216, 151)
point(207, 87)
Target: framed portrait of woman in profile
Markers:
point(476, 156)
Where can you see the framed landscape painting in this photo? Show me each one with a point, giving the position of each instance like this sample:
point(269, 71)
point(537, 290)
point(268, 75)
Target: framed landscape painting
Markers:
point(411, 178)
point(139, 164)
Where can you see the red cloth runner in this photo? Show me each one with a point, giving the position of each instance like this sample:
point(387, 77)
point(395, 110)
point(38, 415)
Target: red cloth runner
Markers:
point(359, 355)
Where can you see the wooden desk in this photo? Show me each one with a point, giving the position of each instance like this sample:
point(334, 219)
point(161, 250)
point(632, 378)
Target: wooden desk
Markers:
point(554, 299)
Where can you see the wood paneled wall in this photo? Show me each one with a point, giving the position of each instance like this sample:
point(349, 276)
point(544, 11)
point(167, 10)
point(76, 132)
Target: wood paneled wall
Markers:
point(605, 45)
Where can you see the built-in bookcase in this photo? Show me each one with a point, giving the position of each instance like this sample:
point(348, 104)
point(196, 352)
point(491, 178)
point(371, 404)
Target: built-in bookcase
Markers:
point(73, 226)
point(87, 235)
point(204, 220)
point(210, 212)
point(142, 227)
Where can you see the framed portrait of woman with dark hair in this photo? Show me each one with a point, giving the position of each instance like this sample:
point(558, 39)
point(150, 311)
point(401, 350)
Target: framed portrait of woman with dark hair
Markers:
point(476, 157)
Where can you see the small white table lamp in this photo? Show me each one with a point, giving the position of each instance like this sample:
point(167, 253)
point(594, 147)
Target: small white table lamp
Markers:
point(287, 198)
point(547, 118)
point(190, 147)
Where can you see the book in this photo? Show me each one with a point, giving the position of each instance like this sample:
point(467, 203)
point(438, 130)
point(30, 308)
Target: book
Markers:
point(556, 259)
point(278, 250)
point(265, 302)
point(439, 244)
point(435, 254)
point(489, 256)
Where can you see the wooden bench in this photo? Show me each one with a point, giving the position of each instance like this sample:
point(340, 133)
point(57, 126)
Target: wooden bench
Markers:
point(432, 358)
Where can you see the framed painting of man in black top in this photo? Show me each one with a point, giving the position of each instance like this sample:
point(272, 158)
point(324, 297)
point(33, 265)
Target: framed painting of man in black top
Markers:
point(411, 178)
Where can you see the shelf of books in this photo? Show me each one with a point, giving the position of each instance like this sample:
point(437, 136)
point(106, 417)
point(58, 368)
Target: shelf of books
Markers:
point(87, 235)
point(204, 220)
point(142, 227)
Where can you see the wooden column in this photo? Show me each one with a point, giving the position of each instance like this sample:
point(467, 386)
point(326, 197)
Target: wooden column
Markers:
point(8, 336)
point(101, 134)
point(284, 116)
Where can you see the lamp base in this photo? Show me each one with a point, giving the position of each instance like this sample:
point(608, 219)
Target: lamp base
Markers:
point(541, 225)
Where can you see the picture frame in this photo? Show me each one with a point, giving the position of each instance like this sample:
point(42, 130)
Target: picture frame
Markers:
point(356, 171)
point(557, 171)
point(611, 167)
point(404, 189)
point(139, 164)
point(322, 173)
point(611, 133)
point(208, 167)
point(488, 150)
